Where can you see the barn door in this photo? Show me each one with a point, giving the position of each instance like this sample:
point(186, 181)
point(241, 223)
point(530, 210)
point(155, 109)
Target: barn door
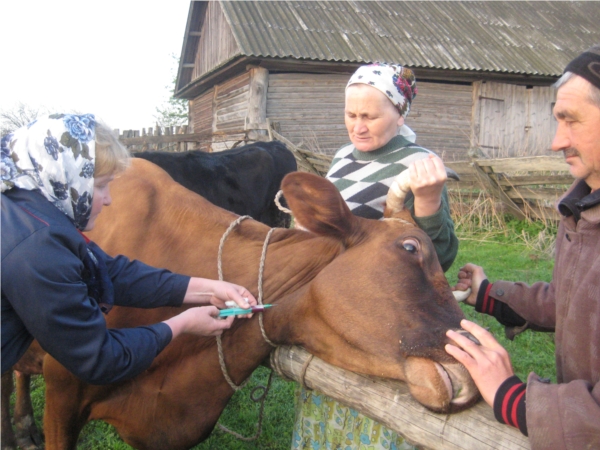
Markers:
point(514, 120)
point(492, 121)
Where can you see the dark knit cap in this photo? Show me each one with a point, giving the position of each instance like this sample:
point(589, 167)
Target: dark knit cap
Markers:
point(587, 65)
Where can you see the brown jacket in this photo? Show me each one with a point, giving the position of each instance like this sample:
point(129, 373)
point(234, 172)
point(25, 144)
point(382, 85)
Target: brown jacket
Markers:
point(566, 415)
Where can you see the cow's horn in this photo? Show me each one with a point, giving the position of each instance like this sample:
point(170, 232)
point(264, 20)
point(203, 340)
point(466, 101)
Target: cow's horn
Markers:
point(398, 190)
point(452, 174)
point(461, 296)
point(400, 187)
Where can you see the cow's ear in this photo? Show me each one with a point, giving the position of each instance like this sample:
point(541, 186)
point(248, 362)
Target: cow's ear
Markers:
point(318, 206)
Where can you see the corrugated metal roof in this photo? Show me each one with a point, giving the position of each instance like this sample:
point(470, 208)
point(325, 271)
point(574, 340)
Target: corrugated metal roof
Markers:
point(536, 37)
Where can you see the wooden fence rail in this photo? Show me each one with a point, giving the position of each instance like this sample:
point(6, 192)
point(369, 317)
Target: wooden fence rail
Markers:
point(390, 403)
point(526, 186)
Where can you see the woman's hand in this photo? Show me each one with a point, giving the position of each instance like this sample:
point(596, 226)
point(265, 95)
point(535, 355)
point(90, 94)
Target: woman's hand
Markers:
point(488, 363)
point(427, 179)
point(213, 292)
point(201, 321)
point(470, 276)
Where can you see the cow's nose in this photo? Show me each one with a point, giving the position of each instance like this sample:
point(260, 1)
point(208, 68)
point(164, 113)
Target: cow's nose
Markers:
point(468, 335)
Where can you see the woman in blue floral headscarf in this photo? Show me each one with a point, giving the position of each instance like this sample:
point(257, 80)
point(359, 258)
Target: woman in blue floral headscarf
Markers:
point(378, 99)
point(57, 284)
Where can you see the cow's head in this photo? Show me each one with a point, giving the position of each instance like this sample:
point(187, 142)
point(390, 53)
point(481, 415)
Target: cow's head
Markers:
point(383, 306)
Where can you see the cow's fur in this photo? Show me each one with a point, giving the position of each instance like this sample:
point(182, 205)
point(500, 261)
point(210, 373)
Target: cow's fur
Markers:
point(368, 296)
point(243, 180)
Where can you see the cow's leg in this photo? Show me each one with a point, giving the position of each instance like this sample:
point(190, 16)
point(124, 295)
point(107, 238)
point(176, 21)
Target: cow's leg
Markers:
point(8, 437)
point(64, 414)
point(27, 434)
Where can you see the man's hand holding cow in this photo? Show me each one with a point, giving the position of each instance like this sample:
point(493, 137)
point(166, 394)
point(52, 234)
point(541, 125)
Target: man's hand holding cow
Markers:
point(489, 363)
point(427, 179)
point(470, 276)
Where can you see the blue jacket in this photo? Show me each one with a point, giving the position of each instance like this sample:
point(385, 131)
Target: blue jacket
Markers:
point(45, 295)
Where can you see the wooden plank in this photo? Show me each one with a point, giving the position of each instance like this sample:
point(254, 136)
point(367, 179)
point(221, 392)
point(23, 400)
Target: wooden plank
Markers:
point(300, 157)
point(526, 164)
point(461, 167)
point(532, 180)
point(390, 403)
point(548, 194)
point(495, 191)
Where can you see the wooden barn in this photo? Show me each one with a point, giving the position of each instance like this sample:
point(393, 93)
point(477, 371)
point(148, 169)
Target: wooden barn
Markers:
point(484, 69)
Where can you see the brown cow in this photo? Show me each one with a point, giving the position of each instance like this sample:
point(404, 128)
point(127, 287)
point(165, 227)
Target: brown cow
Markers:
point(27, 436)
point(369, 296)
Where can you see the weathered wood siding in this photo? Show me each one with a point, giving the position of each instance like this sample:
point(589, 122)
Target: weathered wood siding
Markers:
point(223, 109)
point(230, 106)
point(512, 120)
point(309, 108)
point(201, 112)
point(217, 43)
point(201, 116)
point(440, 115)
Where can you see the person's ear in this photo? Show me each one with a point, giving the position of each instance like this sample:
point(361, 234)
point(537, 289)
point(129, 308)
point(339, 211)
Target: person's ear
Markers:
point(400, 121)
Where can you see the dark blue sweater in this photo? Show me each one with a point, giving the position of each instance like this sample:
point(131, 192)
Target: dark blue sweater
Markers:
point(44, 296)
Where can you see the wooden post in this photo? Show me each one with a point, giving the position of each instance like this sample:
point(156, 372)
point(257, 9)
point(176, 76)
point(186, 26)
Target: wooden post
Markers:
point(257, 98)
point(158, 132)
point(496, 191)
point(475, 115)
point(214, 109)
point(390, 403)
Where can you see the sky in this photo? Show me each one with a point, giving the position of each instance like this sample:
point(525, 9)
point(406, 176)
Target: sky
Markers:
point(110, 58)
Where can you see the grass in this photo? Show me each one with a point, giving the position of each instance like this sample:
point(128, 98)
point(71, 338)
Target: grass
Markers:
point(508, 250)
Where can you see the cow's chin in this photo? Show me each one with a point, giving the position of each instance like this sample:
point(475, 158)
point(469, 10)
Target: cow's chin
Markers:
point(443, 388)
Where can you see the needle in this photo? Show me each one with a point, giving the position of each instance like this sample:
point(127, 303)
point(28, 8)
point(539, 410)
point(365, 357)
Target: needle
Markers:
point(240, 311)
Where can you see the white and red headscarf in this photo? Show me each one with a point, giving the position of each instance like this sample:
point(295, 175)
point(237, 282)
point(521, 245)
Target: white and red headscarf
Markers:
point(396, 82)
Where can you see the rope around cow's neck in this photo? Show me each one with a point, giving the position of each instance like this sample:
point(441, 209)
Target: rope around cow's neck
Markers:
point(260, 296)
point(265, 389)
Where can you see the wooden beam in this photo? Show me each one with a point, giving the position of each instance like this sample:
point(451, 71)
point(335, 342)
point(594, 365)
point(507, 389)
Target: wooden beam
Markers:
point(302, 160)
point(257, 96)
point(390, 403)
point(524, 164)
point(532, 180)
point(496, 191)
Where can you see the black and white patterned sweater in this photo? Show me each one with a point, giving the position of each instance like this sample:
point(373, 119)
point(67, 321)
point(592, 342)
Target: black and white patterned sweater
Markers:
point(364, 178)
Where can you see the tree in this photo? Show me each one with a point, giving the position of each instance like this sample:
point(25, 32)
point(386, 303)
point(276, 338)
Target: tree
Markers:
point(175, 111)
point(18, 116)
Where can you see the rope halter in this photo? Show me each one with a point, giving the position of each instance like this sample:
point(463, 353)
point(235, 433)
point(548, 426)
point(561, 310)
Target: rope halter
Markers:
point(261, 268)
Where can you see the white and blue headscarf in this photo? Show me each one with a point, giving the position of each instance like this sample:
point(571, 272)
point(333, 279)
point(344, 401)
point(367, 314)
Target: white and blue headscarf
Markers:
point(56, 156)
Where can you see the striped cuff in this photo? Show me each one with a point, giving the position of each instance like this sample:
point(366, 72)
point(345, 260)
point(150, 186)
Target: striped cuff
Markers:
point(509, 404)
point(485, 304)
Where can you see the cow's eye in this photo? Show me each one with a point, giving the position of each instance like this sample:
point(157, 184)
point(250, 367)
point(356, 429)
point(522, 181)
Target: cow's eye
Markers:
point(411, 245)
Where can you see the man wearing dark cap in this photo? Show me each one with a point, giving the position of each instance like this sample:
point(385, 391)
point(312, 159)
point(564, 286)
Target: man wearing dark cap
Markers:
point(565, 415)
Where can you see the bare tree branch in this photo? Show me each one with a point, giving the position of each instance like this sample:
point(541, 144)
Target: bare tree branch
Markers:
point(18, 116)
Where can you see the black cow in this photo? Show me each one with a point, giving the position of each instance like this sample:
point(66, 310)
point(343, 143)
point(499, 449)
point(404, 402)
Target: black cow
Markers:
point(243, 180)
